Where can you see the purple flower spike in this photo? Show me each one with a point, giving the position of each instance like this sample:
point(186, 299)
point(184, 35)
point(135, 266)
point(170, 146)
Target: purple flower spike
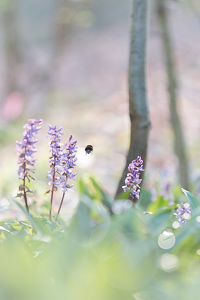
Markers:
point(132, 181)
point(68, 163)
point(183, 213)
point(55, 160)
point(25, 151)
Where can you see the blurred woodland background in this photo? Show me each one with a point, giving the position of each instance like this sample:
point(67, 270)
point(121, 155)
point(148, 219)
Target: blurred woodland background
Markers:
point(66, 61)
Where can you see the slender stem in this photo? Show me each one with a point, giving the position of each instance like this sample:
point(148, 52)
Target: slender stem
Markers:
point(52, 190)
point(24, 184)
point(60, 206)
point(25, 196)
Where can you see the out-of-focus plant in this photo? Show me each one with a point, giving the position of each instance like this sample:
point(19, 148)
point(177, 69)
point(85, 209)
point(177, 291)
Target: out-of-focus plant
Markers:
point(183, 213)
point(127, 255)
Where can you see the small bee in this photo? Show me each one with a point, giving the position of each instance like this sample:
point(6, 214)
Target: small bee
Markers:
point(88, 149)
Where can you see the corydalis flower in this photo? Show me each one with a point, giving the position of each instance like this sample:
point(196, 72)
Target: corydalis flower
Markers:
point(68, 162)
point(132, 181)
point(25, 151)
point(54, 174)
point(183, 213)
point(55, 134)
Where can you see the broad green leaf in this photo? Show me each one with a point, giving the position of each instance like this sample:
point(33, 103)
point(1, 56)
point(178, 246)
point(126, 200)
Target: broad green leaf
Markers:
point(99, 209)
point(145, 199)
point(105, 198)
point(85, 189)
point(3, 228)
point(15, 225)
point(26, 224)
point(94, 191)
point(31, 219)
point(123, 195)
point(158, 204)
point(159, 221)
point(194, 202)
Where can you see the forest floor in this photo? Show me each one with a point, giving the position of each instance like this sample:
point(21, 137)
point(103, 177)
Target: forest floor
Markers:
point(91, 102)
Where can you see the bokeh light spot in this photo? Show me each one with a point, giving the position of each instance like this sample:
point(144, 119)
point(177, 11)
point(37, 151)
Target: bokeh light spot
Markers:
point(169, 262)
point(166, 240)
point(175, 225)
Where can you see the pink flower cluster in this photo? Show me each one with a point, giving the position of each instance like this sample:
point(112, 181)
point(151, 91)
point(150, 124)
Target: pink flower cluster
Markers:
point(132, 181)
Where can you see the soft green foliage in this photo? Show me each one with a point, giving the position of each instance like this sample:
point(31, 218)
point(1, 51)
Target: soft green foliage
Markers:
point(98, 255)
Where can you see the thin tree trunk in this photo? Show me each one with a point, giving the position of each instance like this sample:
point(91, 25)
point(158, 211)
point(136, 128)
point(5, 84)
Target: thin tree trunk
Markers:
point(179, 143)
point(138, 107)
point(62, 28)
point(11, 47)
point(44, 80)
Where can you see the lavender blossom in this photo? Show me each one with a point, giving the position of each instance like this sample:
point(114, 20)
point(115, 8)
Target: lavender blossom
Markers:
point(132, 181)
point(68, 163)
point(54, 134)
point(183, 213)
point(55, 160)
point(25, 151)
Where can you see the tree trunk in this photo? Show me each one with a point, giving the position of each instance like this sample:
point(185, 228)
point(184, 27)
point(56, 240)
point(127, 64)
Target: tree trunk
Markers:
point(11, 47)
point(138, 107)
point(179, 143)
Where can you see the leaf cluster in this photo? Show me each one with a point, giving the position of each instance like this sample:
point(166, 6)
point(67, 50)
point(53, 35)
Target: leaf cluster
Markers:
point(127, 254)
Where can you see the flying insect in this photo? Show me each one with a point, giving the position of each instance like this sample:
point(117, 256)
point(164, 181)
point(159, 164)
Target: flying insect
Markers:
point(88, 149)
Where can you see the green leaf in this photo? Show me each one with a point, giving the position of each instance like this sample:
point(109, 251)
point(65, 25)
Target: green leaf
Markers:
point(84, 189)
point(15, 225)
point(95, 192)
point(158, 204)
point(26, 224)
point(159, 221)
point(52, 225)
point(30, 218)
point(3, 228)
point(81, 226)
point(105, 198)
point(145, 199)
point(123, 195)
point(194, 202)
